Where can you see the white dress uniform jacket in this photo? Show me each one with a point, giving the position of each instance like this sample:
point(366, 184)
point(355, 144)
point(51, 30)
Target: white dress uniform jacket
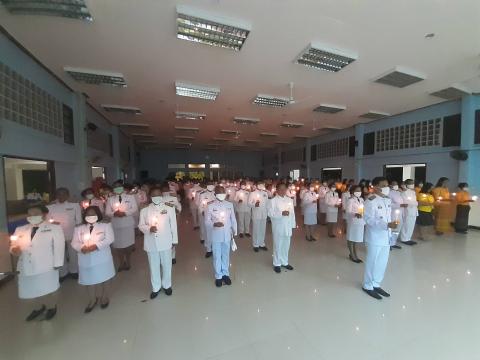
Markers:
point(397, 214)
point(259, 216)
point(309, 206)
point(243, 210)
point(355, 226)
point(123, 227)
point(281, 227)
point(322, 191)
point(410, 214)
point(332, 199)
point(191, 195)
point(172, 201)
point(204, 198)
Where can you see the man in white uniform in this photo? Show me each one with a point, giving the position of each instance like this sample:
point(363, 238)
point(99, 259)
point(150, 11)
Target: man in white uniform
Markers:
point(322, 191)
point(397, 213)
point(309, 206)
point(377, 237)
point(172, 201)
point(204, 198)
point(333, 203)
point(68, 215)
point(244, 212)
point(158, 223)
point(222, 227)
point(281, 212)
point(410, 213)
point(258, 201)
point(191, 193)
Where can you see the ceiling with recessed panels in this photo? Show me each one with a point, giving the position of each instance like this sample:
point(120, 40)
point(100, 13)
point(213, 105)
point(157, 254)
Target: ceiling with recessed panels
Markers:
point(390, 57)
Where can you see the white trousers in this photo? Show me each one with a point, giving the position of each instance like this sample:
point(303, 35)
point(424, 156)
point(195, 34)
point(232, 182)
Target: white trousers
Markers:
point(258, 236)
point(163, 260)
point(203, 230)
point(244, 219)
point(375, 265)
point(221, 259)
point(70, 263)
point(407, 229)
point(395, 233)
point(281, 246)
point(194, 212)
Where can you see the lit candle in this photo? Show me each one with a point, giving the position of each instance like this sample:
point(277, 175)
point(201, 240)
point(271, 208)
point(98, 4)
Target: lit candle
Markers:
point(454, 194)
point(193, 194)
point(475, 198)
point(51, 221)
point(440, 198)
point(318, 196)
point(222, 216)
point(13, 238)
point(86, 239)
point(397, 216)
point(85, 204)
point(294, 192)
point(258, 197)
point(117, 206)
point(361, 209)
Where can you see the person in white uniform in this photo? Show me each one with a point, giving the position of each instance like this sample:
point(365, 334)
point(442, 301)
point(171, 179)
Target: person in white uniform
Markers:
point(310, 206)
point(92, 241)
point(244, 212)
point(333, 203)
point(191, 193)
point(205, 198)
point(40, 248)
point(282, 213)
point(172, 201)
point(68, 215)
point(322, 206)
point(355, 209)
point(397, 212)
point(158, 223)
point(378, 211)
point(121, 208)
point(222, 226)
point(410, 213)
point(345, 197)
point(258, 201)
point(89, 199)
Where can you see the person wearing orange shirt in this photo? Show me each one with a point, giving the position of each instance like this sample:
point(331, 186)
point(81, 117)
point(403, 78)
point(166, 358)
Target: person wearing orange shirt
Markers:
point(463, 208)
point(443, 207)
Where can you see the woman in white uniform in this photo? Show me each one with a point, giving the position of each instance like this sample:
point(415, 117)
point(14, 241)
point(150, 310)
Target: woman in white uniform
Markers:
point(345, 197)
point(310, 206)
point(333, 203)
point(89, 199)
point(40, 247)
point(355, 222)
point(95, 262)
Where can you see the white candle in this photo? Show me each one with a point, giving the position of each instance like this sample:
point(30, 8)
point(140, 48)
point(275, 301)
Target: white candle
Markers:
point(117, 206)
point(51, 221)
point(361, 209)
point(86, 238)
point(85, 204)
point(397, 216)
point(13, 238)
point(474, 198)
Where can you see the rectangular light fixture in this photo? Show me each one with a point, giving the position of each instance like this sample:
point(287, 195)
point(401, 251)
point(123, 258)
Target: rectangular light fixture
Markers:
point(217, 139)
point(400, 77)
point(291, 125)
point(73, 9)
point(451, 93)
point(196, 91)
point(184, 137)
point(134, 126)
point(321, 57)
point(147, 141)
point(300, 137)
point(269, 100)
point(329, 108)
point(187, 129)
point(251, 141)
point(374, 115)
point(142, 135)
point(282, 143)
point(199, 26)
point(184, 115)
point(96, 77)
point(196, 166)
point(245, 120)
point(268, 134)
point(229, 132)
point(330, 128)
point(182, 143)
point(122, 109)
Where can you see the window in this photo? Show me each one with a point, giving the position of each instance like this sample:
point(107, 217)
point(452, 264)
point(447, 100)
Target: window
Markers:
point(214, 166)
point(313, 153)
point(332, 149)
point(352, 143)
point(452, 130)
point(369, 143)
point(477, 127)
point(176, 166)
point(196, 166)
point(68, 131)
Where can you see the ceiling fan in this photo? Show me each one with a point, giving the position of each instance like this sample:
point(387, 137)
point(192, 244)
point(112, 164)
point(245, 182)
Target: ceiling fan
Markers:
point(291, 100)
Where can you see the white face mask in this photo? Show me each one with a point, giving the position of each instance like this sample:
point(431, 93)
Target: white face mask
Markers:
point(395, 187)
point(333, 189)
point(91, 219)
point(221, 197)
point(118, 190)
point(210, 187)
point(243, 187)
point(261, 187)
point(166, 193)
point(156, 200)
point(411, 186)
point(35, 220)
point(89, 196)
point(324, 184)
point(386, 190)
point(312, 188)
point(357, 194)
point(465, 189)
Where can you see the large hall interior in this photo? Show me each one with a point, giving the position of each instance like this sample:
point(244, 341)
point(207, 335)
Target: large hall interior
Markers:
point(255, 179)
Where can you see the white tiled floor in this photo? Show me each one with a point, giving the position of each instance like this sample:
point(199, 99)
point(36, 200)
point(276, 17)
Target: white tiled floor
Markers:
point(315, 312)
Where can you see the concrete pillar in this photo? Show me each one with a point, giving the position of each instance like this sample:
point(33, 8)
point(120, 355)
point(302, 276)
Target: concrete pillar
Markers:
point(469, 170)
point(83, 166)
point(359, 131)
point(308, 158)
point(116, 153)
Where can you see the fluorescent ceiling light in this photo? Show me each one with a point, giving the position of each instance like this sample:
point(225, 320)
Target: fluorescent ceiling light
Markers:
point(187, 129)
point(147, 141)
point(245, 121)
point(134, 125)
point(251, 141)
point(332, 168)
point(329, 108)
point(374, 115)
point(196, 91)
point(291, 125)
point(282, 143)
point(199, 26)
point(269, 100)
point(182, 137)
point(268, 134)
point(300, 137)
point(96, 77)
point(122, 109)
point(322, 57)
point(220, 139)
point(330, 128)
point(189, 115)
point(229, 132)
point(400, 77)
point(143, 135)
point(452, 92)
point(73, 9)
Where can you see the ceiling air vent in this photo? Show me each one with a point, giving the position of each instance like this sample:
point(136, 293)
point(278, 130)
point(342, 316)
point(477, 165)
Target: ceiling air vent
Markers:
point(400, 77)
point(329, 109)
point(451, 93)
point(134, 126)
point(187, 129)
point(374, 115)
point(73, 9)
point(196, 91)
point(96, 77)
point(122, 109)
point(291, 125)
point(183, 115)
point(245, 121)
point(268, 134)
point(324, 58)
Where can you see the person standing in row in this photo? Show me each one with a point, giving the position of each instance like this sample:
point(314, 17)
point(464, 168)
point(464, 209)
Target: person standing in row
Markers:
point(92, 241)
point(425, 210)
point(192, 191)
point(410, 213)
point(172, 201)
point(244, 212)
point(258, 201)
point(68, 215)
point(443, 208)
point(204, 198)
point(377, 237)
point(322, 191)
point(310, 206)
point(333, 203)
point(344, 199)
point(282, 213)
point(355, 209)
point(463, 208)
point(222, 226)
point(121, 208)
point(158, 223)
point(89, 199)
point(40, 247)
point(397, 213)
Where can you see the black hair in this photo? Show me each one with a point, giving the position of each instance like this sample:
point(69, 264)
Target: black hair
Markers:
point(84, 192)
point(426, 188)
point(377, 180)
point(441, 181)
point(97, 211)
point(62, 189)
point(155, 188)
point(353, 187)
point(40, 207)
point(463, 185)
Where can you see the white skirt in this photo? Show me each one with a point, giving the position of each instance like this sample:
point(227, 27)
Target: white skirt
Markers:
point(355, 232)
point(96, 274)
point(310, 218)
point(33, 286)
point(332, 216)
point(124, 237)
point(323, 206)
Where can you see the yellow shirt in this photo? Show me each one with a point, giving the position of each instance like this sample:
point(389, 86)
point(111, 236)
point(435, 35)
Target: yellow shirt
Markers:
point(425, 198)
point(463, 197)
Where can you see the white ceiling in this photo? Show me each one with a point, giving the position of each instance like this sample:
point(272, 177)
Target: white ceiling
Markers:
point(138, 39)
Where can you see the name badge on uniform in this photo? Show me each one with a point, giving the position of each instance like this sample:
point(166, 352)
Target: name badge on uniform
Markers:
point(163, 212)
point(68, 209)
point(46, 230)
point(379, 206)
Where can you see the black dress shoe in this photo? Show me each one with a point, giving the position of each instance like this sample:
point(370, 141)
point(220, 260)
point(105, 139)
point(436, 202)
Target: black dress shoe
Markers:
point(359, 261)
point(35, 313)
point(410, 243)
point(208, 254)
point(74, 276)
point(104, 305)
point(248, 235)
point(51, 313)
point(382, 292)
point(255, 249)
point(168, 291)
point(202, 241)
point(174, 261)
point(63, 278)
point(241, 235)
point(372, 293)
point(218, 282)
point(352, 259)
point(154, 294)
point(264, 248)
point(227, 280)
point(196, 227)
point(398, 247)
point(89, 307)
point(312, 238)
point(288, 267)
point(277, 269)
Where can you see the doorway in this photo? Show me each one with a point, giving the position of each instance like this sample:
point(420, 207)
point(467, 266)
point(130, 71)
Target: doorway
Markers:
point(402, 172)
point(331, 174)
point(98, 172)
point(295, 174)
